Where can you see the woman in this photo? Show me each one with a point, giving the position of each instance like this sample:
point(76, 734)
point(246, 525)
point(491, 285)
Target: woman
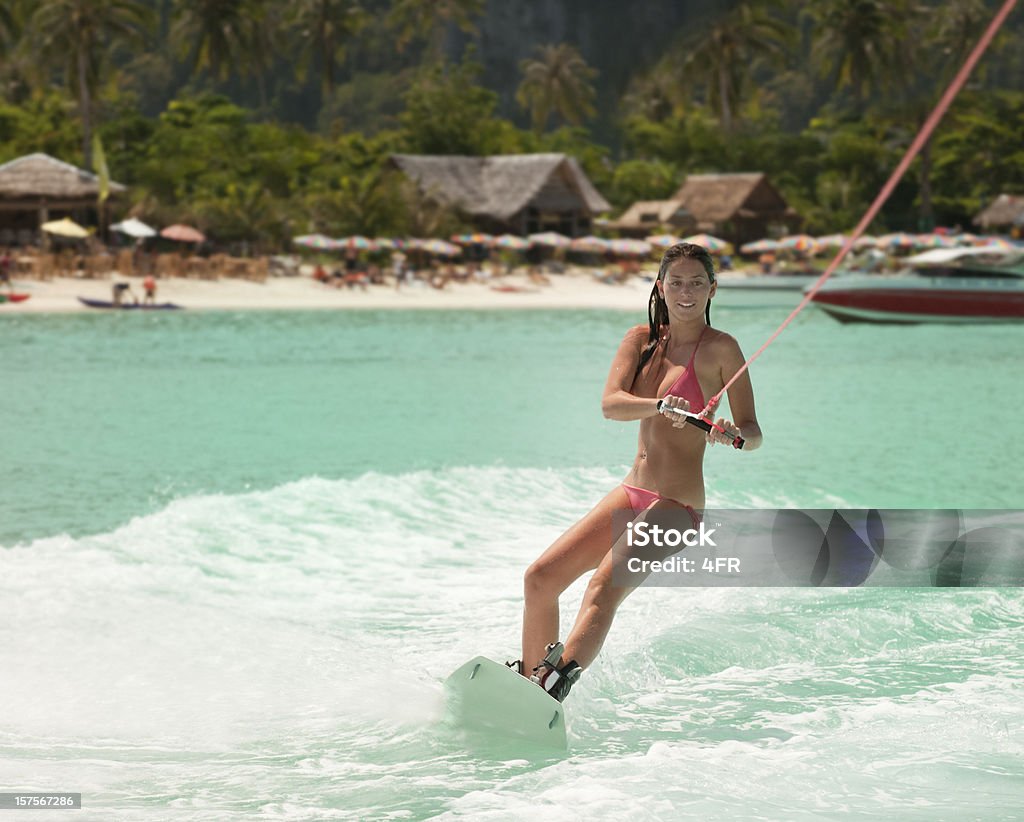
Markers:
point(657, 368)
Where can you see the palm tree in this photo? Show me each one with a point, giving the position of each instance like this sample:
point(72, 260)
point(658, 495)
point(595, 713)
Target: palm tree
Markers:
point(77, 35)
point(430, 19)
point(323, 26)
point(937, 48)
point(858, 41)
point(720, 59)
point(218, 35)
point(558, 81)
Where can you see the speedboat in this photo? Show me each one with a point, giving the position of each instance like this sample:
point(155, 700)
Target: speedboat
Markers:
point(944, 285)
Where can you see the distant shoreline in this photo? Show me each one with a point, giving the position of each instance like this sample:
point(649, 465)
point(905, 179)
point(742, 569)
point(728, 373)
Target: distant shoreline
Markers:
point(578, 288)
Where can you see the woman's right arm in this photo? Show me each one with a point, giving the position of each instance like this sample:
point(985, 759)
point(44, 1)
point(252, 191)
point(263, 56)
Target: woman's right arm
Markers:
point(618, 403)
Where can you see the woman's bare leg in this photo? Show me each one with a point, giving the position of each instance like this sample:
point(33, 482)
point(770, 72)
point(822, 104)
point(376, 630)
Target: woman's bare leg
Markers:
point(603, 596)
point(578, 550)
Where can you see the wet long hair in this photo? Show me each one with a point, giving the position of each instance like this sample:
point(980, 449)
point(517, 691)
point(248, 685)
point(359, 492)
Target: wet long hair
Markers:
point(657, 308)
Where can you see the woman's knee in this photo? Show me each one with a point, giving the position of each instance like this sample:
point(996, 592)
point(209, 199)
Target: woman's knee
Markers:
point(603, 593)
point(542, 578)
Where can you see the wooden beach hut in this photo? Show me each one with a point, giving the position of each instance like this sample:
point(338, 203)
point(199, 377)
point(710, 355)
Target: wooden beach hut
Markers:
point(646, 217)
point(515, 193)
point(37, 188)
point(1005, 210)
point(739, 208)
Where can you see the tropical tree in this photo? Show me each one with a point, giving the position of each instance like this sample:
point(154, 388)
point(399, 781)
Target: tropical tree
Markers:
point(448, 112)
point(557, 81)
point(323, 27)
point(720, 59)
point(430, 18)
point(219, 35)
point(76, 38)
point(858, 42)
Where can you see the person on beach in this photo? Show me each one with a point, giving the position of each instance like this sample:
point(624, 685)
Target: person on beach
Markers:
point(118, 292)
point(149, 289)
point(6, 261)
point(676, 361)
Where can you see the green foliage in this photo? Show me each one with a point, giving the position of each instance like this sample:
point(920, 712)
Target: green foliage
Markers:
point(557, 82)
point(43, 123)
point(448, 112)
point(823, 96)
point(642, 180)
point(980, 156)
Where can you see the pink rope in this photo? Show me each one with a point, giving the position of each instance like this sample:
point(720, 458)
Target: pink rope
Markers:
point(883, 195)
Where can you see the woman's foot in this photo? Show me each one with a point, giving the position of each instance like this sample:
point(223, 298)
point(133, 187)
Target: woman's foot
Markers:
point(555, 677)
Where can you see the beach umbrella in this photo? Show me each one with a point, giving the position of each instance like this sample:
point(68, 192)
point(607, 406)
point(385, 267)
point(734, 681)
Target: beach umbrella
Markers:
point(803, 243)
point(441, 248)
point(589, 243)
point(864, 241)
point(510, 241)
point(996, 244)
point(356, 242)
point(388, 242)
point(933, 241)
point(637, 248)
point(316, 241)
point(662, 240)
point(965, 238)
point(760, 246)
point(712, 244)
point(472, 239)
point(183, 234)
point(899, 239)
point(832, 240)
point(65, 228)
point(551, 239)
point(134, 228)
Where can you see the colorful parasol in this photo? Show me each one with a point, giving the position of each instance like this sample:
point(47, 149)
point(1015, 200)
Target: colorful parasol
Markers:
point(712, 244)
point(441, 248)
point(134, 227)
point(663, 240)
point(552, 239)
point(357, 242)
point(183, 234)
point(803, 243)
point(590, 243)
point(65, 228)
point(472, 239)
point(760, 246)
point(510, 241)
point(899, 239)
point(634, 248)
point(316, 241)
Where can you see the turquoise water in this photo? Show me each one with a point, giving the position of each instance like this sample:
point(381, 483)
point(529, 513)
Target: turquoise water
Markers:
point(241, 551)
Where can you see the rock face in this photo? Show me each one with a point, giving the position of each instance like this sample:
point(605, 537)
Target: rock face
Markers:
point(617, 38)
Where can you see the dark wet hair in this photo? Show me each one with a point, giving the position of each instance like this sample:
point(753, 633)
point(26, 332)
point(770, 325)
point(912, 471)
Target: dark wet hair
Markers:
point(657, 308)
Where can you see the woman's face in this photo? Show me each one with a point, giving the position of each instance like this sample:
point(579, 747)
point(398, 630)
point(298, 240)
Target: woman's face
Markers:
point(686, 289)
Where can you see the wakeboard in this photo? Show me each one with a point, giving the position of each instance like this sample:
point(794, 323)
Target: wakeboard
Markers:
point(485, 695)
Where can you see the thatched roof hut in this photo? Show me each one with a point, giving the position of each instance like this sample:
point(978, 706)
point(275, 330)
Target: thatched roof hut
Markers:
point(36, 187)
point(737, 207)
point(40, 178)
point(646, 217)
point(519, 193)
point(1005, 210)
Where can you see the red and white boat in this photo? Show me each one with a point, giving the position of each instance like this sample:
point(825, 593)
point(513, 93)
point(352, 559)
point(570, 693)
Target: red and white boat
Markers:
point(945, 285)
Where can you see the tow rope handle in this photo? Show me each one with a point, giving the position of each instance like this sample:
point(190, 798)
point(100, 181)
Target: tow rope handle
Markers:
point(702, 423)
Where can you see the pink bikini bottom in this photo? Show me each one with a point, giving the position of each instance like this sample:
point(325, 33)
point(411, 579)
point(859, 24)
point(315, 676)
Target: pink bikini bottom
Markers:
point(640, 499)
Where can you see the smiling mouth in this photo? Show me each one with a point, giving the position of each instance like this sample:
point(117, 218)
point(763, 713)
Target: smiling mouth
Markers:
point(686, 305)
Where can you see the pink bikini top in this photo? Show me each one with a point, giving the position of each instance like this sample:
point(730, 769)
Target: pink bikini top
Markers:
point(686, 384)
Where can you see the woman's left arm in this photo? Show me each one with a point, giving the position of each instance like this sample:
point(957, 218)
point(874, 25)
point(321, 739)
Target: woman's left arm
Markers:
point(741, 394)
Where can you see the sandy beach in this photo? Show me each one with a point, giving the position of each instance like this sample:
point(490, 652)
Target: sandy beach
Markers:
point(576, 289)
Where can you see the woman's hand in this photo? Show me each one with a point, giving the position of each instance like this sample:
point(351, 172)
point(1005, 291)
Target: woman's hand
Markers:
point(672, 401)
point(731, 432)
